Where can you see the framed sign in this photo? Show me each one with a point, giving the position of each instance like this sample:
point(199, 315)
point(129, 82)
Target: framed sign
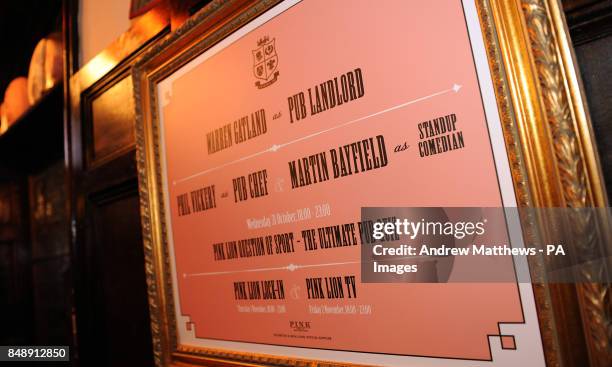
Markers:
point(263, 129)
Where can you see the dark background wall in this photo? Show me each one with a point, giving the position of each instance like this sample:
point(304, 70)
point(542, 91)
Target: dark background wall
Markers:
point(590, 24)
point(35, 283)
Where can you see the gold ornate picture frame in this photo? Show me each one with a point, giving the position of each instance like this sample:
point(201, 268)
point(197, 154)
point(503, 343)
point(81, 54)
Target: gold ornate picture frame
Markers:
point(551, 151)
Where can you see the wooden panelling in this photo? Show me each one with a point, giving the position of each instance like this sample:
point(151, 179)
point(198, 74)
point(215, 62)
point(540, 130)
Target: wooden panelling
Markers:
point(15, 271)
point(121, 294)
point(112, 118)
point(48, 217)
point(52, 291)
point(50, 256)
point(13, 331)
point(112, 313)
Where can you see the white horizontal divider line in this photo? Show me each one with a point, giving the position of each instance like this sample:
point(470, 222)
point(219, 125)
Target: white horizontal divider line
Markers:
point(290, 267)
point(293, 267)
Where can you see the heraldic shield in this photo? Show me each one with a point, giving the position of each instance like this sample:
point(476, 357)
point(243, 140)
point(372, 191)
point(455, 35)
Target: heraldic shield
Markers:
point(265, 62)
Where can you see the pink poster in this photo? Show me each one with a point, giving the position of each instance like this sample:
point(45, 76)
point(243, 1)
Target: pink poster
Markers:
point(274, 142)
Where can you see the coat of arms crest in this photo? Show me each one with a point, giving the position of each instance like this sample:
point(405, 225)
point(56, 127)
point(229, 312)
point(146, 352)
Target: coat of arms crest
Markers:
point(265, 62)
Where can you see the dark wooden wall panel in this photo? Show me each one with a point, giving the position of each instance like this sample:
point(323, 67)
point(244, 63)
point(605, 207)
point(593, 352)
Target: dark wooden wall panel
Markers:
point(15, 271)
point(113, 120)
point(48, 215)
point(595, 60)
point(112, 307)
point(51, 282)
point(121, 296)
point(15, 299)
point(51, 288)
